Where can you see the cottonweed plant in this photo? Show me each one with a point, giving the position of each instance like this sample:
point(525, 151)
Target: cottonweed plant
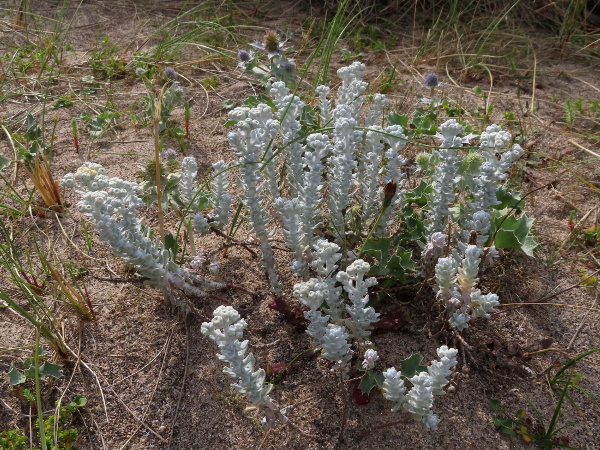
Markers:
point(112, 204)
point(227, 327)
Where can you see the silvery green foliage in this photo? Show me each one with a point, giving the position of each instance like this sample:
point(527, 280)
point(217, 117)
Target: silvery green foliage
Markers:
point(498, 160)
point(456, 288)
point(445, 176)
point(322, 293)
point(220, 197)
point(337, 169)
point(425, 385)
point(336, 347)
point(256, 127)
point(112, 204)
point(226, 329)
point(361, 316)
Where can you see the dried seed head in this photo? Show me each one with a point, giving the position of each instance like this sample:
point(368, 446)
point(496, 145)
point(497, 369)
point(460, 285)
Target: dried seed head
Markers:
point(271, 42)
point(388, 193)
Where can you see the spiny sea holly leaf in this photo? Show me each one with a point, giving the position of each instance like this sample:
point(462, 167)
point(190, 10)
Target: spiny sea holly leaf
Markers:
point(411, 366)
point(390, 262)
point(51, 370)
point(171, 243)
point(370, 380)
point(396, 119)
point(4, 162)
point(508, 198)
point(513, 232)
point(15, 377)
point(78, 401)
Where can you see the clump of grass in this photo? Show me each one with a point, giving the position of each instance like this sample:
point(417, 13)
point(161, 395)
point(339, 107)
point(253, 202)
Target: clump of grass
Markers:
point(41, 176)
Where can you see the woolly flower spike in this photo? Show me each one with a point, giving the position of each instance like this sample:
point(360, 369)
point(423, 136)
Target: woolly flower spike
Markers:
point(214, 267)
point(324, 104)
point(220, 198)
point(198, 262)
point(467, 274)
point(483, 304)
point(419, 399)
point(430, 422)
point(393, 388)
point(370, 358)
point(445, 272)
point(225, 330)
point(312, 293)
point(431, 81)
point(361, 316)
point(335, 346)
point(459, 320)
point(440, 370)
point(189, 169)
point(200, 225)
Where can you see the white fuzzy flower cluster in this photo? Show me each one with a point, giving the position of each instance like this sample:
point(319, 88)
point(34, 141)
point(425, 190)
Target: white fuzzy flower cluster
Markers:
point(456, 288)
point(112, 204)
point(226, 329)
point(256, 128)
point(332, 332)
point(498, 160)
point(369, 359)
point(445, 177)
point(220, 199)
point(425, 385)
point(360, 316)
point(339, 169)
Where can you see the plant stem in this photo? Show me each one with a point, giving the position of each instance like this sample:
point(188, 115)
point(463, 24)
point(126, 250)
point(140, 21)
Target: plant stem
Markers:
point(38, 396)
point(157, 112)
point(344, 394)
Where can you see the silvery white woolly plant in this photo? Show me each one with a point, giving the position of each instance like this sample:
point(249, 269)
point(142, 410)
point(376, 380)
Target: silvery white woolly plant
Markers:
point(457, 275)
point(425, 385)
point(338, 170)
point(112, 205)
point(332, 333)
point(226, 329)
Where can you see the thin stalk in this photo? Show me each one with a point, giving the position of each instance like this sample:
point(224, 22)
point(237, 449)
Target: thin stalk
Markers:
point(157, 113)
point(38, 395)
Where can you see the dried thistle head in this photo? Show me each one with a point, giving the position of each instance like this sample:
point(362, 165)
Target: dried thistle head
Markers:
point(389, 191)
point(272, 42)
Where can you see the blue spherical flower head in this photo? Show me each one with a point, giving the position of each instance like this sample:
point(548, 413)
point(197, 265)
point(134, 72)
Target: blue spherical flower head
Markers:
point(170, 73)
point(431, 80)
point(289, 67)
point(244, 55)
